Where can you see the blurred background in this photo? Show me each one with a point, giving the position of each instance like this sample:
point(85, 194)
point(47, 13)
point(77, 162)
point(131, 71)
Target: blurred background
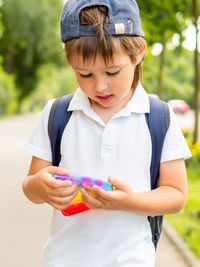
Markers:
point(33, 69)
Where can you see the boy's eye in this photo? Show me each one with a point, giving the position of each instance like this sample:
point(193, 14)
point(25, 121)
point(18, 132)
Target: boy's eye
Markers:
point(90, 74)
point(112, 73)
point(85, 76)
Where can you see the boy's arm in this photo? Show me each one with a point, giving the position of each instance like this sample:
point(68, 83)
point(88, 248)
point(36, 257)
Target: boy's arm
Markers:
point(40, 187)
point(169, 197)
point(171, 194)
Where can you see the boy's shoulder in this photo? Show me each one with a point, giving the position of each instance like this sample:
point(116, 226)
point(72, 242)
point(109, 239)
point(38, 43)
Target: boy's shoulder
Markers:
point(159, 110)
point(58, 119)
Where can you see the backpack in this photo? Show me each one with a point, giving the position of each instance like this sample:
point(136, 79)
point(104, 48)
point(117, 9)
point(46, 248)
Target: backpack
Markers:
point(158, 123)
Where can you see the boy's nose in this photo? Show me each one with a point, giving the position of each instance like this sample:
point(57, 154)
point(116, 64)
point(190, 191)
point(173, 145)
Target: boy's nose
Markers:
point(100, 86)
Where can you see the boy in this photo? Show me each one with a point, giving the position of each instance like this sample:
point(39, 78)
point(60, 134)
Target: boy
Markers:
point(106, 138)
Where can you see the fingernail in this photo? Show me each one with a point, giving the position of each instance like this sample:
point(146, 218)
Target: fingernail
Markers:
point(111, 179)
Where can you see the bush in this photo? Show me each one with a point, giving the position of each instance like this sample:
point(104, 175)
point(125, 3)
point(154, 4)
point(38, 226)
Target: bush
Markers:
point(195, 150)
point(8, 103)
point(187, 222)
point(53, 82)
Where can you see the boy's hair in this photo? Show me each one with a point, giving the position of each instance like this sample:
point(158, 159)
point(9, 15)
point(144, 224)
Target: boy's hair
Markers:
point(103, 43)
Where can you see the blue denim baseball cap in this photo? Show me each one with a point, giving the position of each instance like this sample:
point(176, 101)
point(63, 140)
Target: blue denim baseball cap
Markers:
point(123, 14)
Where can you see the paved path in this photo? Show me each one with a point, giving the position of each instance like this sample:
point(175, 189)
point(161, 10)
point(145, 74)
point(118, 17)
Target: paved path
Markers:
point(23, 226)
point(167, 254)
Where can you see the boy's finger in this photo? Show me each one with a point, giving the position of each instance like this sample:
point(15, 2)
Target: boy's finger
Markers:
point(98, 192)
point(62, 203)
point(54, 183)
point(90, 201)
point(64, 192)
point(102, 194)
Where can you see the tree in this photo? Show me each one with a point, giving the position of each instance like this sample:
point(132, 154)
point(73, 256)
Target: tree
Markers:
point(7, 86)
point(178, 78)
point(1, 24)
point(196, 15)
point(31, 38)
point(162, 19)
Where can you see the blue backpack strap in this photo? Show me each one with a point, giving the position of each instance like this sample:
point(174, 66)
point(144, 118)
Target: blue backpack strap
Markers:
point(58, 119)
point(158, 121)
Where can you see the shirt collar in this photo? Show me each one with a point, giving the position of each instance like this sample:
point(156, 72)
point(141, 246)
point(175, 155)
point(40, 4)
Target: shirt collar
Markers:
point(79, 101)
point(139, 103)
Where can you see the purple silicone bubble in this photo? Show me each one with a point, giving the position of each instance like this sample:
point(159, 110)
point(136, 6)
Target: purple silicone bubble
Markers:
point(68, 177)
point(98, 182)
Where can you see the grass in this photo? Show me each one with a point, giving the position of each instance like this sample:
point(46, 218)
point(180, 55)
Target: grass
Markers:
point(187, 222)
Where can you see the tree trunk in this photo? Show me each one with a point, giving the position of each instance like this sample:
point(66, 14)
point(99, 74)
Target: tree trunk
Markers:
point(10, 59)
point(160, 72)
point(20, 98)
point(197, 74)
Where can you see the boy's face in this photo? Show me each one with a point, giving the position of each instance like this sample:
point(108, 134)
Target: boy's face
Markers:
point(107, 86)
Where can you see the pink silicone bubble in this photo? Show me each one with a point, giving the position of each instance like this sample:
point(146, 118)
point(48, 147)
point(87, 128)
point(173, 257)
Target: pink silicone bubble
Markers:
point(86, 180)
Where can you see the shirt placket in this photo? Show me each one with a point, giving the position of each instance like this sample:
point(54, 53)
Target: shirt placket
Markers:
point(108, 141)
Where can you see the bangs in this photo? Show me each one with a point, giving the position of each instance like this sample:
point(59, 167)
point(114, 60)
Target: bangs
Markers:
point(89, 47)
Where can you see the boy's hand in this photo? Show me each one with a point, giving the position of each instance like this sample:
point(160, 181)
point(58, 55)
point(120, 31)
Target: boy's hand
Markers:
point(119, 199)
point(56, 193)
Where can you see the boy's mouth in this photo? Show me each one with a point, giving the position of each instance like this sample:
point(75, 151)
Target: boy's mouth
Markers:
point(105, 99)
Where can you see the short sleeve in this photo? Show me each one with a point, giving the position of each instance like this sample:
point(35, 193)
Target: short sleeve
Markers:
point(175, 145)
point(38, 144)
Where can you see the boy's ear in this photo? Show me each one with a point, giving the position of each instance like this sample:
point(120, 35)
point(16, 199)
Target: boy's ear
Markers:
point(141, 54)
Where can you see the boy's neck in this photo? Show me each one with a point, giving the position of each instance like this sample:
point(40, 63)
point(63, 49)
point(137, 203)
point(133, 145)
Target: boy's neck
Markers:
point(106, 114)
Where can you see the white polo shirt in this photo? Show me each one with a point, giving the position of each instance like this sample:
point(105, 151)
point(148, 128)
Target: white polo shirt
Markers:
point(121, 148)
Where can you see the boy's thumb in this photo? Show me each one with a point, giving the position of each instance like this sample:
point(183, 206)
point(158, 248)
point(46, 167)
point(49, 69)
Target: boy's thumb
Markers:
point(56, 170)
point(54, 183)
point(117, 184)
